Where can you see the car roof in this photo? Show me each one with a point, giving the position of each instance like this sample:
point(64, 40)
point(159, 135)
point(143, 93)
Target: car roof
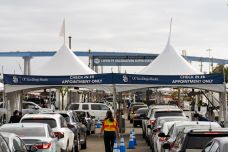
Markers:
point(197, 123)
point(167, 109)
point(202, 129)
point(144, 105)
point(170, 117)
point(162, 105)
point(16, 125)
point(42, 115)
point(86, 103)
point(223, 140)
point(7, 134)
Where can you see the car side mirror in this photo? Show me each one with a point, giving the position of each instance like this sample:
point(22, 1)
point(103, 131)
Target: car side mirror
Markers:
point(166, 145)
point(33, 148)
point(161, 134)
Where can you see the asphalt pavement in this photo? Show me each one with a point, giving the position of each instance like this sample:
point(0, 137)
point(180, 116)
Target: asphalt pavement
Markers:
point(95, 143)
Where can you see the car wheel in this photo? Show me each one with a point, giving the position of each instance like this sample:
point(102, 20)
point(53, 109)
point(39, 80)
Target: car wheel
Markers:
point(131, 121)
point(143, 135)
point(88, 132)
point(134, 124)
point(84, 145)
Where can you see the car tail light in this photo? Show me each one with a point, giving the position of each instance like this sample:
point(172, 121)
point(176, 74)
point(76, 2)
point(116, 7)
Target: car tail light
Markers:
point(152, 122)
point(43, 145)
point(162, 139)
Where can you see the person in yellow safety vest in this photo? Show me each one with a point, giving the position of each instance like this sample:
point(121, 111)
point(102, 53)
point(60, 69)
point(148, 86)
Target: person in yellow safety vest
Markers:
point(110, 129)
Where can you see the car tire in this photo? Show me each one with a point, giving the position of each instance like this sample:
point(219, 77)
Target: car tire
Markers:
point(134, 125)
point(88, 132)
point(84, 145)
point(93, 132)
point(131, 121)
point(77, 147)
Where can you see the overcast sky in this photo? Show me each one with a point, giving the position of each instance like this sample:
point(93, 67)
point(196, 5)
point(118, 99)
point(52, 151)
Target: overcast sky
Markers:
point(116, 25)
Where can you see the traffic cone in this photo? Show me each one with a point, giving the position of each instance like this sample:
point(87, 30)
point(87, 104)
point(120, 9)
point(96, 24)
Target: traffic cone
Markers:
point(115, 147)
point(131, 144)
point(122, 145)
point(98, 123)
point(134, 138)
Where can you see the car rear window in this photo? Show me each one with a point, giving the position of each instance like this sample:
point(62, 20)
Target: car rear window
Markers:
point(168, 113)
point(74, 107)
point(51, 122)
point(199, 141)
point(66, 117)
point(135, 108)
point(141, 111)
point(81, 114)
point(26, 131)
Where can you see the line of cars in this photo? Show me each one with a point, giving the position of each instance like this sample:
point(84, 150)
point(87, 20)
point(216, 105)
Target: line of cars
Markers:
point(48, 131)
point(166, 128)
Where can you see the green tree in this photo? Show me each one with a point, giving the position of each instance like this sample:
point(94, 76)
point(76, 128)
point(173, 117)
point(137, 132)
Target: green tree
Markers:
point(219, 69)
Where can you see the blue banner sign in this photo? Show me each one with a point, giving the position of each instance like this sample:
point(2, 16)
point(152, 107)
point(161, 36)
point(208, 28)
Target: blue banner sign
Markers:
point(113, 78)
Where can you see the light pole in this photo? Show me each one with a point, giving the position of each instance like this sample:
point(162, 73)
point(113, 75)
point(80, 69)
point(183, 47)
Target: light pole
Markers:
point(209, 51)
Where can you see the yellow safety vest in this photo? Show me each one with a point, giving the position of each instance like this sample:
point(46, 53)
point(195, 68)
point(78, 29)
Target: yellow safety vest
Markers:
point(109, 126)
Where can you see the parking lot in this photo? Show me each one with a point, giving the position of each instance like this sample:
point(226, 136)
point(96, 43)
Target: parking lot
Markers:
point(96, 143)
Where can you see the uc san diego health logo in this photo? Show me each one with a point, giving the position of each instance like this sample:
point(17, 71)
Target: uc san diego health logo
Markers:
point(15, 79)
point(125, 78)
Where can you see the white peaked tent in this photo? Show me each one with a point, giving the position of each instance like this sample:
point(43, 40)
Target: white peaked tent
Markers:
point(169, 62)
point(64, 62)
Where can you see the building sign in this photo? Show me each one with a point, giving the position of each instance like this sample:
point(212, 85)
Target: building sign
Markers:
point(113, 78)
point(122, 60)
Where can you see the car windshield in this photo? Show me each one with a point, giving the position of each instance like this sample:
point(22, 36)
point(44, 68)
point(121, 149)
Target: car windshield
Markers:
point(168, 113)
point(51, 122)
point(198, 141)
point(26, 131)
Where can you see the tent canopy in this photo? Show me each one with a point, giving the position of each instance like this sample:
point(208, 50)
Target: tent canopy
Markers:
point(64, 62)
point(169, 62)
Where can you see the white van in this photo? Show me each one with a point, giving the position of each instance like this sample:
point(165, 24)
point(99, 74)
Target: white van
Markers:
point(98, 110)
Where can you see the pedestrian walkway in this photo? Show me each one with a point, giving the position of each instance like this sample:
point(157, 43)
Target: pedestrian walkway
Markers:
point(96, 143)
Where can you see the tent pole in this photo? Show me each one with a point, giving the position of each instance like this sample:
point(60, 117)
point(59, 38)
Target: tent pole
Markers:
point(114, 98)
point(225, 106)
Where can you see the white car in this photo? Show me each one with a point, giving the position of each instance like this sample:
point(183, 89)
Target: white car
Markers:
point(98, 110)
point(3, 113)
point(58, 125)
point(34, 134)
point(31, 107)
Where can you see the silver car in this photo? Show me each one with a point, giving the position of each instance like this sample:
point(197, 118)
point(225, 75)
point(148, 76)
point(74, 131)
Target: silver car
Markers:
point(15, 143)
point(37, 134)
point(217, 144)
